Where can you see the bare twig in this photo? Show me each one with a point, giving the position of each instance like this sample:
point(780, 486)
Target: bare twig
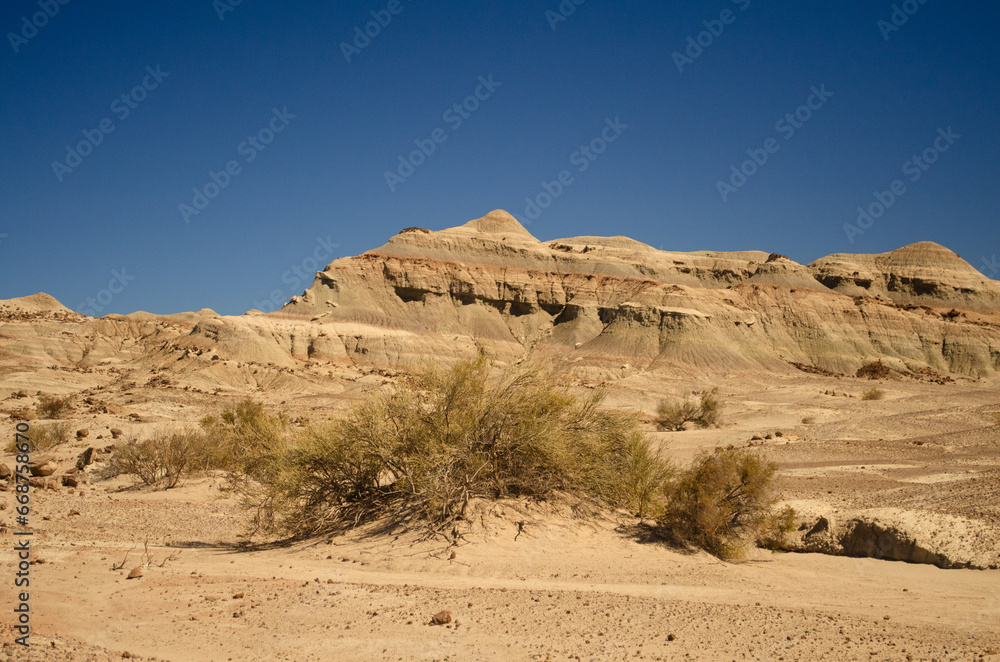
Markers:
point(119, 566)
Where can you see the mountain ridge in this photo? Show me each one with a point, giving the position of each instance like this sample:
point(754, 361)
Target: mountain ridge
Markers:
point(598, 304)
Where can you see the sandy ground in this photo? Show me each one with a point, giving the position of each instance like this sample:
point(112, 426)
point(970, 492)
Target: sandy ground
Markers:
point(571, 585)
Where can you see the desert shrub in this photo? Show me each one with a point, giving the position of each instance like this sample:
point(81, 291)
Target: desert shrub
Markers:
point(446, 436)
point(776, 527)
point(872, 394)
point(672, 415)
point(875, 370)
point(23, 414)
point(243, 437)
point(631, 474)
point(53, 406)
point(42, 437)
point(723, 502)
point(160, 460)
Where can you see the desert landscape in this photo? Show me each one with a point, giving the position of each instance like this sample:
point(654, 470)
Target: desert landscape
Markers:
point(869, 380)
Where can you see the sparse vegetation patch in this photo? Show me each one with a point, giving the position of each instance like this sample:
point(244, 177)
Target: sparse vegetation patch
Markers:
point(53, 406)
point(724, 502)
point(444, 437)
point(672, 415)
point(872, 393)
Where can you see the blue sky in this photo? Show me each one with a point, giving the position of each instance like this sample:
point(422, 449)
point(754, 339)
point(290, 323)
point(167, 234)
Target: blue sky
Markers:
point(666, 99)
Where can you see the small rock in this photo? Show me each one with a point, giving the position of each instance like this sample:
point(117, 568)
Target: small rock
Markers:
point(443, 617)
point(5, 471)
point(74, 512)
point(70, 481)
point(238, 596)
point(86, 458)
point(135, 573)
point(43, 468)
point(80, 434)
point(452, 556)
point(115, 433)
point(671, 637)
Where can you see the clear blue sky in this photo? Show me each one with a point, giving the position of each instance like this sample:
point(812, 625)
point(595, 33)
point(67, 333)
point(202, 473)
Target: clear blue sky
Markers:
point(322, 173)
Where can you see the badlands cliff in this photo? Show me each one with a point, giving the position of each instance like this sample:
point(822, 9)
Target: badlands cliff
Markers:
point(593, 302)
point(613, 300)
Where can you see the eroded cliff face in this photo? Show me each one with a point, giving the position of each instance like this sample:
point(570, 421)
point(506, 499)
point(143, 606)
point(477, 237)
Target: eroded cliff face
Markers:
point(612, 300)
point(594, 302)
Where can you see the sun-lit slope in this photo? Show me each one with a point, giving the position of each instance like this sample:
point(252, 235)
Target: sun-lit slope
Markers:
point(613, 300)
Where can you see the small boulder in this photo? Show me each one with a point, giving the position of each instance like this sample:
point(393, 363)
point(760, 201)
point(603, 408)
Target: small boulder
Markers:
point(43, 468)
point(80, 434)
point(115, 433)
point(70, 481)
point(86, 458)
point(135, 573)
point(5, 471)
point(443, 617)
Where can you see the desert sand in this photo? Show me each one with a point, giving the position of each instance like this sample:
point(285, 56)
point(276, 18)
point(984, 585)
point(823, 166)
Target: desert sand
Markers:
point(898, 550)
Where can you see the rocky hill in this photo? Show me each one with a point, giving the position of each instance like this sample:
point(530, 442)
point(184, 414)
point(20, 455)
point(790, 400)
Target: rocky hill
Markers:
point(613, 300)
point(594, 303)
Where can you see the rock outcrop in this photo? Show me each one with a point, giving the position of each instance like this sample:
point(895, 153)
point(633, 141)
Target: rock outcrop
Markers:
point(612, 300)
point(598, 302)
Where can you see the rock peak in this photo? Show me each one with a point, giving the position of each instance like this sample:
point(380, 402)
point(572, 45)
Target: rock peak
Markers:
point(499, 221)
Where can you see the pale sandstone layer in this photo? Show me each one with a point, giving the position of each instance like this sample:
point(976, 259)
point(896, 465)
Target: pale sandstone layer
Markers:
point(613, 300)
point(589, 302)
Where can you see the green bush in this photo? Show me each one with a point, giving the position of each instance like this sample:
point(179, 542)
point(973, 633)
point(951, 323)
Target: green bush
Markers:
point(446, 436)
point(160, 460)
point(776, 527)
point(672, 415)
point(53, 407)
point(723, 502)
point(42, 437)
point(243, 437)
